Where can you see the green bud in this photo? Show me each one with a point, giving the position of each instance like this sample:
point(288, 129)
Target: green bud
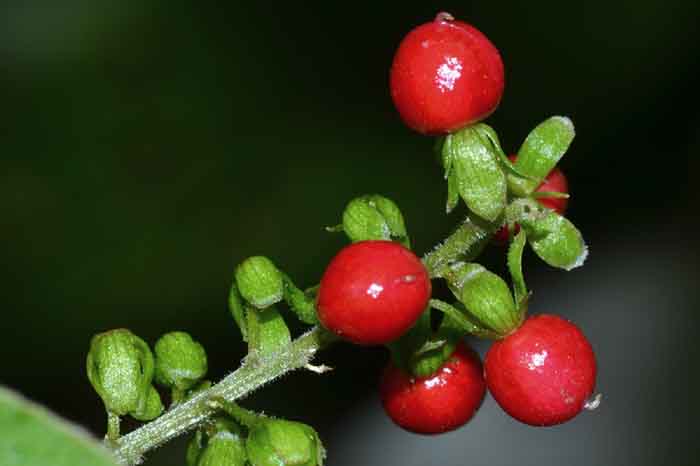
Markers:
point(224, 448)
point(180, 361)
point(259, 282)
point(374, 217)
point(485, 295)
point(151, 409)
point(194, 448)
point(473, 170)
point(277, 442)
point(120, 369)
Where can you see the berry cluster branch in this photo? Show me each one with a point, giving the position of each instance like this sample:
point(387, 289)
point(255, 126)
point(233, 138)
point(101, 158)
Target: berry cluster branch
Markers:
point(258, 370)
point(253, 374)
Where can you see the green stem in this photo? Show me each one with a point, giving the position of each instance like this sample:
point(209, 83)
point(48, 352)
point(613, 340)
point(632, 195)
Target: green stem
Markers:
point(465, 243)
point(253, 374)
point(241, 415)
point(113, 425)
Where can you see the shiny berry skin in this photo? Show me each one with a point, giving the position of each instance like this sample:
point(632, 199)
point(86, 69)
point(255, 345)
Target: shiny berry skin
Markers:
point(446, 75)
point(556, 182)
point(372, 292)
point(437, 403)
point(543, 373)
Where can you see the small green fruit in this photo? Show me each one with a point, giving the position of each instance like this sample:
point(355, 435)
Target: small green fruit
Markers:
point(277, 442)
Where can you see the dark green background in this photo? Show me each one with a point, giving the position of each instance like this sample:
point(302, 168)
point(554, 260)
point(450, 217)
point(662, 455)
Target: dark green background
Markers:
point(148, 146)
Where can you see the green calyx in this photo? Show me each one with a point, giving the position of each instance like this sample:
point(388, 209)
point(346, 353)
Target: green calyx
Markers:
point(259, 282)
point(539, 154)
point(471, 158)
point(554, 238)
point(180, 361)
point(485, 296)
point(278, 442)
point(275, 442)
point(223, 448)
point(374, 217)
point(120, 368)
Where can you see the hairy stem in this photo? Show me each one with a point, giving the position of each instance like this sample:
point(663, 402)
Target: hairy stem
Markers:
point(465, 243)
point(254, 373)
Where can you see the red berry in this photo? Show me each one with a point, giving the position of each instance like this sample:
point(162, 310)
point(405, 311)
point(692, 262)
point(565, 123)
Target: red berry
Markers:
point(438, 403)
point(372, 292)
point(554, 182)
point(543, 373)
point(446, 74)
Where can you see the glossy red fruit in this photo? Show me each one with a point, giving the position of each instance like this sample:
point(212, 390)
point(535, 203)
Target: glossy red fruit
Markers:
point(372, 292)
point(446, 74)
point(438, 403)
point(543, 373)
point(554, 182)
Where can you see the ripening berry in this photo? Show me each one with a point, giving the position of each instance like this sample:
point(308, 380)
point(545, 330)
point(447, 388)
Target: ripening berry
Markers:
point(439, 402)
point(446, 75)
point(543, 373)
point(372, 292)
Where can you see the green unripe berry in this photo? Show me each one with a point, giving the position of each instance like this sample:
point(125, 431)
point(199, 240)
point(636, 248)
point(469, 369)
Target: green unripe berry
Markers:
point(259, 282)
point(180, 361)
point(277, 442)
point(120, 368)
point(374, 217)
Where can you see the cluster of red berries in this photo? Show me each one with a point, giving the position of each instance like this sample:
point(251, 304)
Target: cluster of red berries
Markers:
point(447, 75)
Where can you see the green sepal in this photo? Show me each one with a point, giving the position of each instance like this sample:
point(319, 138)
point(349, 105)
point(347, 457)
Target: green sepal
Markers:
point(278, 442)
point(374, 217)
point(267, 331)
point(224, 448)
point(302, 303)
point(120, 368)
point(259, 282)
point(540, 153)
point(237, 308)
point(151, 408)
point(457, 322)
point(515, 267)
point(556, 240)
point(433, 354)
point(403, 349)
point(194, 448)
point(485, 295)
point(470, 157)
point(180, 361)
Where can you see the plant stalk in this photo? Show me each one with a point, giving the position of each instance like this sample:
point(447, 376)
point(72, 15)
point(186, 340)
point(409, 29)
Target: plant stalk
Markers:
point(253, 373)
point(464, 244)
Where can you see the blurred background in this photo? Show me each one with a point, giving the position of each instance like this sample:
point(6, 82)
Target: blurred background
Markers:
point(148, 146)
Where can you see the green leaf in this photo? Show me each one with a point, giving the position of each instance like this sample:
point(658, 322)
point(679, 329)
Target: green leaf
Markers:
point(267, 331)
point(479, 178)
point(515, 266)
point(235, 305)
point(556, 240)
point(30, 435)
point(540, 153)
